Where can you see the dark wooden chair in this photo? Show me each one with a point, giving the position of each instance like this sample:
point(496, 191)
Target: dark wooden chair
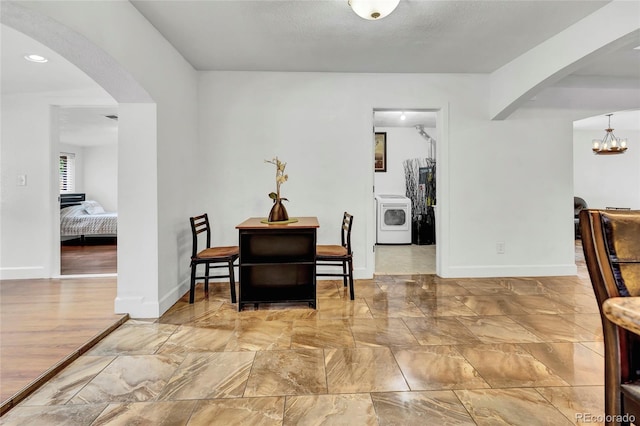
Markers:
point(578, 205)
point(611, 244)
point(338, 255)
point(211, 257)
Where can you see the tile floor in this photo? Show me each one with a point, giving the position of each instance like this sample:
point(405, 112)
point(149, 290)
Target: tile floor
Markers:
point(405, 259)
point(410, 350)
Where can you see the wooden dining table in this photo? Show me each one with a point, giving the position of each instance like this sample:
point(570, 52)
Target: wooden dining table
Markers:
point(277, 261)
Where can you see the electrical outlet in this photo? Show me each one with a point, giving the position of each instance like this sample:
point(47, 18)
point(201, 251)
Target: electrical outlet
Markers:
point(500, 247)
point(21, 180)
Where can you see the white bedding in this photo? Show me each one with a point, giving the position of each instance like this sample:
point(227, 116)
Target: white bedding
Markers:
point(75, 220)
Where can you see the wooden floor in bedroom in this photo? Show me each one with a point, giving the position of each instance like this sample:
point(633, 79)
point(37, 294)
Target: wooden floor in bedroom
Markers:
point(94, 255)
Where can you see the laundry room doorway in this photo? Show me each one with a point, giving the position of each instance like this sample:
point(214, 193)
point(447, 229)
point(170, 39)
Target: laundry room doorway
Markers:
point(404, 191)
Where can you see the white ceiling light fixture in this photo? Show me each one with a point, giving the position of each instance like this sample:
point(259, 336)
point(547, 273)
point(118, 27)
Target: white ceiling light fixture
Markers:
point(402, 116)
point(373, 9)
point(610, 144)
point(36, 58)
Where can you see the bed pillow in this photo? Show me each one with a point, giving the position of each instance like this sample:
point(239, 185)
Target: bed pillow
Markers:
point(92, 207)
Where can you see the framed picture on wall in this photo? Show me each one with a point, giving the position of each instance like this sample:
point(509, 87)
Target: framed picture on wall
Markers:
point(380, 151)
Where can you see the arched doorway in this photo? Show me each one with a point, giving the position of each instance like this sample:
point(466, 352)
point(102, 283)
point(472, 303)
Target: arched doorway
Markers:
point(137, 205)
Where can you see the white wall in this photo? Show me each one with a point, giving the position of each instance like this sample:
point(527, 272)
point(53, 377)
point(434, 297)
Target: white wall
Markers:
point(320, 124)
point(403, 143)
point(607, 180)
point(100, 165)
point(27, 219)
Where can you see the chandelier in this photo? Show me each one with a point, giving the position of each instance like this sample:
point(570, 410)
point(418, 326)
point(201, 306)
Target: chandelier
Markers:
point(373, 9)
point(610, 144)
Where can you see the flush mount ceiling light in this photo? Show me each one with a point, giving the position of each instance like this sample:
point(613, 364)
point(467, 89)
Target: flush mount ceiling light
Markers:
point(373, 9)
point(610, 144)
point(36, 58)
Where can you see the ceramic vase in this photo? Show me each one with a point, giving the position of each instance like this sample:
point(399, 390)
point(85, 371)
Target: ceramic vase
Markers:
point(278, 213)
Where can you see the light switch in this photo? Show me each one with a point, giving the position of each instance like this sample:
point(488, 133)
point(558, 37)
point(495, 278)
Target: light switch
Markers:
point(21, 180)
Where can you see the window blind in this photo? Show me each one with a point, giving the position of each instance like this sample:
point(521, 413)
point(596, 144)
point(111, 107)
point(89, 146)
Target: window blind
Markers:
point(67, 172)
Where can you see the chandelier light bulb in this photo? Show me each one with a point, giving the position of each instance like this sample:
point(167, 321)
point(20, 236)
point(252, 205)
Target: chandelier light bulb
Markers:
point(373, 9)
point(596, 144)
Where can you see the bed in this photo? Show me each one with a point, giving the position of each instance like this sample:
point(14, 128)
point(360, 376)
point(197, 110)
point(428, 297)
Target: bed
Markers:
point(81, 217)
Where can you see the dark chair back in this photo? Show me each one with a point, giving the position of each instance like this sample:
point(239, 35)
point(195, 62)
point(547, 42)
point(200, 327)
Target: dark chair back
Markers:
point(339, 255)
point(578, 205)
point(210, 257)
point(347, 221)
point(611, 244)
point(200, 224)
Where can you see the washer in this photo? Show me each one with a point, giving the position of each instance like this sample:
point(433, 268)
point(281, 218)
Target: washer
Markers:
point(393, 219)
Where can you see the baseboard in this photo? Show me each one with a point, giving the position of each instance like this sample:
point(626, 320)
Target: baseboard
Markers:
point(23, 273)
point(62, 277)
point(510, 271)
point(173, 296)
point(358, 273)
point(136, 307)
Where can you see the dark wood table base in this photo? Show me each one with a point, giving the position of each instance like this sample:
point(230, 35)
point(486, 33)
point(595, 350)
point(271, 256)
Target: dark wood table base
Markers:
point(277, 262)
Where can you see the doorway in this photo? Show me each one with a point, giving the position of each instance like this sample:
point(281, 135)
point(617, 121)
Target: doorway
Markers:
point(88, 166)
point(409, 138)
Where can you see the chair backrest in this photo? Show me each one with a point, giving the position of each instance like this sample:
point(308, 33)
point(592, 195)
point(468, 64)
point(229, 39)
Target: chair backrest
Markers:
point(611, 245)
point(347, 221)
point(578, 205)
point(200, 224)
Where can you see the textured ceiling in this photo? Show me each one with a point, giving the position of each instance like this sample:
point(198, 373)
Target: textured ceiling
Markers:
point(325, 35)
point(88, 126)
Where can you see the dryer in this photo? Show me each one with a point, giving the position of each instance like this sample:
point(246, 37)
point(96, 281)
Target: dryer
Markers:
point(393, 219)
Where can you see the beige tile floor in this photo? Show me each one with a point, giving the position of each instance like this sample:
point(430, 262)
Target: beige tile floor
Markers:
point(406, 259)
point(410, 350)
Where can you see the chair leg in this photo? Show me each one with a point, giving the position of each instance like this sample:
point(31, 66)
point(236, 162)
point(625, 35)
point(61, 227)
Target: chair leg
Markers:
point(232, 282)
point(344, 272)
point(192, 288)
point(206, 281)
point(351, 278)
